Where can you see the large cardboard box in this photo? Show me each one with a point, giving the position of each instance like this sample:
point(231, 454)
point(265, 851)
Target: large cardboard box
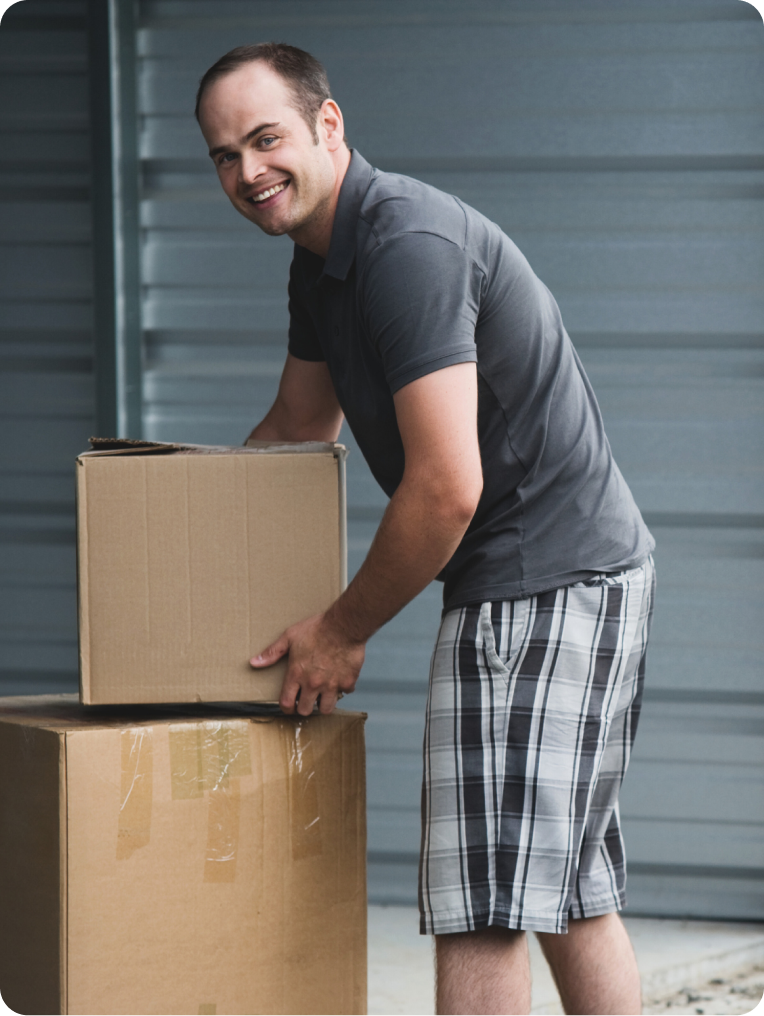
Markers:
point(167, 861)
point(192, 559)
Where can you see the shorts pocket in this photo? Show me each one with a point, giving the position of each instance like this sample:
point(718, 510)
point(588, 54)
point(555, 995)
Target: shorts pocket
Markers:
point(511, 631)
point(488, 637)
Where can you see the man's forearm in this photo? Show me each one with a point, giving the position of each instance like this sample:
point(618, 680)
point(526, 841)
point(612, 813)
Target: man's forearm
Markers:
point(305, 408)
point(418, 534)
point(274, 426)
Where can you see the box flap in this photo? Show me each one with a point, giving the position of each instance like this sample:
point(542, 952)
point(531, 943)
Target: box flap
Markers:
point(131, 446)
point(65, 712)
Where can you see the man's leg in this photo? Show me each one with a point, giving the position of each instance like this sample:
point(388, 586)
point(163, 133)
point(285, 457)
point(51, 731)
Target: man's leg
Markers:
point(484, 971)
point(594, 967)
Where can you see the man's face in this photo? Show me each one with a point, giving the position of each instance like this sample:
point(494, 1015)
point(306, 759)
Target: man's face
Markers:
point(260, 143)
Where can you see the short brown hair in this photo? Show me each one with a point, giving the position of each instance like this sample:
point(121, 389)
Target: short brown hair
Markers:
point(305, 76)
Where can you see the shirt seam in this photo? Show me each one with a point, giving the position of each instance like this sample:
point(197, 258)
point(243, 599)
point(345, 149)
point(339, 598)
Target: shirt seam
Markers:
point(433, 359)
point(361, 278)
point(417, 232)
point(521, 460)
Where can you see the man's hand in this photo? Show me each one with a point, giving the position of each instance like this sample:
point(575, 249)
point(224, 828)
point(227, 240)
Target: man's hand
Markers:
point(323, 664)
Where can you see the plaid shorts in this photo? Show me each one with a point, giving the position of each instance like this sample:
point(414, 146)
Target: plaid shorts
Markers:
point(531, 716)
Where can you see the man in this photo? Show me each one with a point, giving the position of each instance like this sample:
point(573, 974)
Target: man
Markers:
point(419, 321)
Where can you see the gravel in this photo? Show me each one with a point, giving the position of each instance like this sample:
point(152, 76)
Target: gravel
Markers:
point(731, 996)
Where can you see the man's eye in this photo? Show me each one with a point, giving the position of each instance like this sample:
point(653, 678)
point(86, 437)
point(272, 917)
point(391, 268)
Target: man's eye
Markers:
point(267, 140)
point(226, 157)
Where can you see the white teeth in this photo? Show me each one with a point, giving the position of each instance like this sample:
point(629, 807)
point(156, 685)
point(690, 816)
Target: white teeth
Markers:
point(268, 193)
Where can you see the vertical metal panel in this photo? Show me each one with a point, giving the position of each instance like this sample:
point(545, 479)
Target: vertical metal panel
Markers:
point(115, 217)
point(619, 143)
point(46, 342)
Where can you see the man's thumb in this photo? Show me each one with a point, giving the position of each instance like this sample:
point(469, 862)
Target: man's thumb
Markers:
point(273, 653)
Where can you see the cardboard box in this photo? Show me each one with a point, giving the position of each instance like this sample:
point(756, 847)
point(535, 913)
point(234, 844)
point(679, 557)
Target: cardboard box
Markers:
point(192, 559)
point(180, 861)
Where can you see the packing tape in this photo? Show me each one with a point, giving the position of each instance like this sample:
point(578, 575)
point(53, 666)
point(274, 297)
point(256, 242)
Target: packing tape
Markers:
point(222, 833)
point(211, 757)
point(136, 791)
point(207, 755)
point(303, 795)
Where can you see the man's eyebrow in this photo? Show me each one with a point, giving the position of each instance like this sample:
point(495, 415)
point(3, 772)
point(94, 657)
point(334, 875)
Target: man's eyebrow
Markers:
point(247, 137)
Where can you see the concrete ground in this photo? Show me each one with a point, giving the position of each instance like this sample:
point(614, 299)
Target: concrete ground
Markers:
point(691, 967)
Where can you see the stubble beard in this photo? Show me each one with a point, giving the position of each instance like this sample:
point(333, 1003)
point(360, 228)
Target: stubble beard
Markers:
point(302, 223)
point(312, 221)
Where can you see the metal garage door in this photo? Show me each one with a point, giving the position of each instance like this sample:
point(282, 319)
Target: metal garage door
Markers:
point(620, 143)
point(46, 341)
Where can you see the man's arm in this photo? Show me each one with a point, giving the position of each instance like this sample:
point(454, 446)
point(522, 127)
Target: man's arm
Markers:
point(420, 530)
point(305, 409)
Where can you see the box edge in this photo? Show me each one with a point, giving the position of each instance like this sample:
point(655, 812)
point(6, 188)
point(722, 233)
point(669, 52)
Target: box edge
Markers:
point(83, 565)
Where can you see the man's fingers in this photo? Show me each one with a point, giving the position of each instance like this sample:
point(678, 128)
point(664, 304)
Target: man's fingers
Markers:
point(318, 665)
point(298, 699)
point(327, 700)
point(306, 701)
point(290, 691)
point(272, 654)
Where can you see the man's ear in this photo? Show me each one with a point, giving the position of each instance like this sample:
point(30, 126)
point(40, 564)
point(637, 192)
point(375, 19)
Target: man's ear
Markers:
point(331, 124)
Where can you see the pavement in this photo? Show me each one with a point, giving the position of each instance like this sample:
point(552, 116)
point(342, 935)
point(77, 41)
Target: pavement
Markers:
point(675, 958)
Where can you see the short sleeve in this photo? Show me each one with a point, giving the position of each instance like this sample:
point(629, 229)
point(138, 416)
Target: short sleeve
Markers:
point(420, 300)
point(303, 337)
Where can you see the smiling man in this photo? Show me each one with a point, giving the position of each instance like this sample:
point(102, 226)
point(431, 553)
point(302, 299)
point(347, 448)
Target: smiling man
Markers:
point(419, 322)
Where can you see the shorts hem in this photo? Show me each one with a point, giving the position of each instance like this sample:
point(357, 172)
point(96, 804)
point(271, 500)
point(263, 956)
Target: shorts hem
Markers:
point(450, 922)
point(598, 907)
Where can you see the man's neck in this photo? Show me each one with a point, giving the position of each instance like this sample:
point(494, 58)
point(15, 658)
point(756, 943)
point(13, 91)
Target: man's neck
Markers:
point(316, 234)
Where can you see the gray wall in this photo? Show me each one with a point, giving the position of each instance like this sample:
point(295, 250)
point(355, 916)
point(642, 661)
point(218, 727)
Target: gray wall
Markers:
point(620, 144)
point(46, 354)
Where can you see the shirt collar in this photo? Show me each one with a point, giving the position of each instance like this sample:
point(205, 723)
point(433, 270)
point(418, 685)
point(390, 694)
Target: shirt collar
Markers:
point(343, 241)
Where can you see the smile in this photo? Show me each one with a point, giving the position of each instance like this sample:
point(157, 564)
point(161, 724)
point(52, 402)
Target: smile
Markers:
point(258, 199)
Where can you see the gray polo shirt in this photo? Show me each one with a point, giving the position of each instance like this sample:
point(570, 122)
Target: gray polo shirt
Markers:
point(415, 280)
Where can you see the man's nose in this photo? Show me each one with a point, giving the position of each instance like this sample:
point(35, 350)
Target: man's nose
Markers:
point(251, 167)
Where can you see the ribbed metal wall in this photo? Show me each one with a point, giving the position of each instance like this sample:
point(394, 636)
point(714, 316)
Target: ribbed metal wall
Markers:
point(620, 144)
point(46, 362)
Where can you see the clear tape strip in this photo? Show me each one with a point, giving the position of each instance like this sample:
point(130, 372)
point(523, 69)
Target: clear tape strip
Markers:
point(136, 791)
point(305, 818)
point(210, 757)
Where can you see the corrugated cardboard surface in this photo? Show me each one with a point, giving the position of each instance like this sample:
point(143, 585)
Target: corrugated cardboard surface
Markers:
point(190, 564)
point(212, 864)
